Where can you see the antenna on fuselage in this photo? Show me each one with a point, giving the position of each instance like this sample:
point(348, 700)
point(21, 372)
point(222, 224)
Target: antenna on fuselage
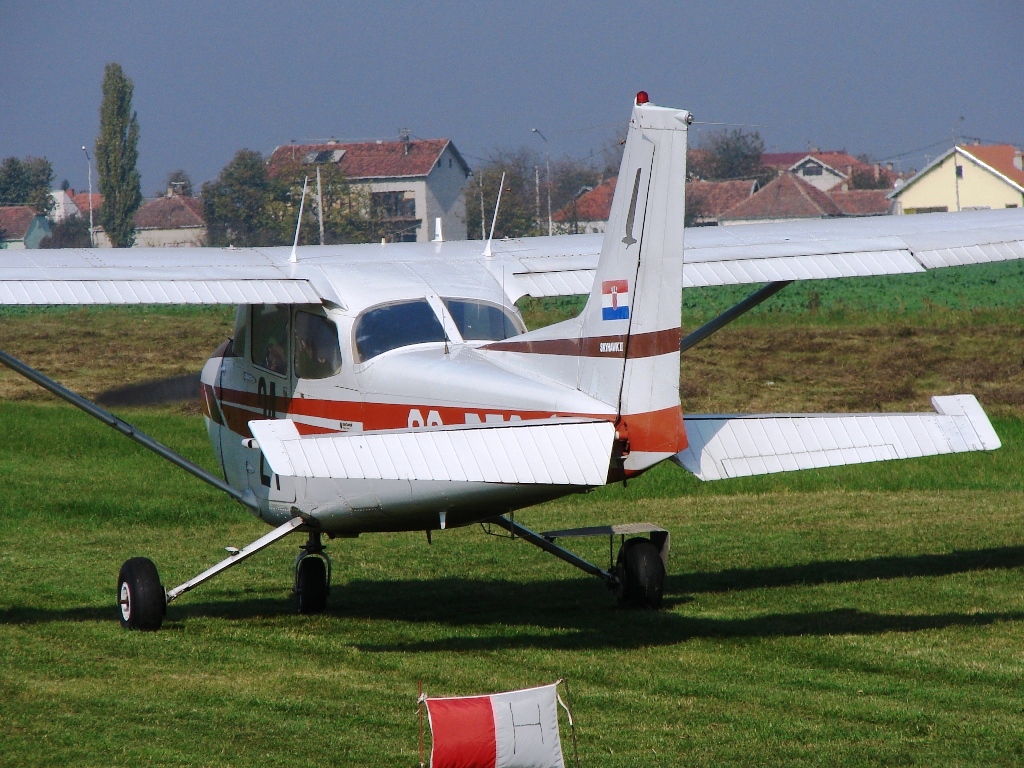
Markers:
point(298, 224)
point(501, 185)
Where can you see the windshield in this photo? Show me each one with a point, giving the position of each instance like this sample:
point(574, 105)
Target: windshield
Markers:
point(396, 325)
point(479, 321)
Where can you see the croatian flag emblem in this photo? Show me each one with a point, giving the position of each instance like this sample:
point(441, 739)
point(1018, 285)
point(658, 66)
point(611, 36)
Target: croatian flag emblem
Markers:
point(615, 300)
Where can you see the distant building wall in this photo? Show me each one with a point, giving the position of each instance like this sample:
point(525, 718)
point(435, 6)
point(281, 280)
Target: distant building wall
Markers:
point(445, 199)
point(935, 189)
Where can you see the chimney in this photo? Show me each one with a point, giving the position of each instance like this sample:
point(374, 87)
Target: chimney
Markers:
point(403, 135)
point(1018, 160)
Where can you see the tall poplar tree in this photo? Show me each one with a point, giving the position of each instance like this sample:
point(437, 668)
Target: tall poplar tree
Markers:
point(117, 152)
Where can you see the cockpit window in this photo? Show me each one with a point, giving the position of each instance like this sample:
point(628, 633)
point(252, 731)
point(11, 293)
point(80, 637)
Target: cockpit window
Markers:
point(270, 337)
point(317, 349)
point(479, 321)
point(396, 325)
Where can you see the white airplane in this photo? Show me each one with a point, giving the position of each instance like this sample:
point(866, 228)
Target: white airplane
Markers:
point(395, 388)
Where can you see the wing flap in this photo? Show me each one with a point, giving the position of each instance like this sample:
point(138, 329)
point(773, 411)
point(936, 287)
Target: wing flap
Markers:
point(739, 446)
point(576, 453)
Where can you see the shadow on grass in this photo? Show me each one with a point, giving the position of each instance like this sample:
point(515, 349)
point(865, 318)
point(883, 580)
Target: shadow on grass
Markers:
point(843, 571)
point(578, 613)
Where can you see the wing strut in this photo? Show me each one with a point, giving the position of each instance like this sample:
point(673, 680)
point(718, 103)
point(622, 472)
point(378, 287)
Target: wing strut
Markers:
point(731, 314)
point(247, 498)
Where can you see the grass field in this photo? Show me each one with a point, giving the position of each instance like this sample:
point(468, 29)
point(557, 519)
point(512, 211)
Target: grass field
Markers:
point(859, 616)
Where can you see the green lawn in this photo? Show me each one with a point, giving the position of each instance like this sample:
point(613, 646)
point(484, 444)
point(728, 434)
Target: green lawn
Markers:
point(864, 616)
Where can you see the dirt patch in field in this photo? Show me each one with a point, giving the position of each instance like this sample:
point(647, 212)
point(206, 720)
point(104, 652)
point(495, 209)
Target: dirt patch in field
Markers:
point(776, 365)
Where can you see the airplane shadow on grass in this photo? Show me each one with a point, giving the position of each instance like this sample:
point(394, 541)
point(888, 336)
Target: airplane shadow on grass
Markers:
point(576, 613)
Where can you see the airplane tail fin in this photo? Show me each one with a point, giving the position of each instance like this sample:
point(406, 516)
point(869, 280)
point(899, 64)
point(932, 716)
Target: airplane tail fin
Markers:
point(626, 340)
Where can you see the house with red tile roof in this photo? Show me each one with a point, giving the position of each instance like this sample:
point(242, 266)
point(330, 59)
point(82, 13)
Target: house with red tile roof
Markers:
point(787, 197)
point(588, 213)
point(706, 201)
point(168, 221)
point(413, 184)
point(965, 177)
point(828, 170)
point(22, 227)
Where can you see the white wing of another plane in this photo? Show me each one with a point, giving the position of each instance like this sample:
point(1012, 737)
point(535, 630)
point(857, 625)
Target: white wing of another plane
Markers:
point(541, 266)
point(562, 452)
point(796, 250)
point(739, 446)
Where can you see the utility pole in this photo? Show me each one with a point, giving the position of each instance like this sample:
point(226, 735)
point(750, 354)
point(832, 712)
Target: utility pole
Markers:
point(483, 220)
point(536, 184)
point(88, 160)
point(547, 164)
point(958, 170)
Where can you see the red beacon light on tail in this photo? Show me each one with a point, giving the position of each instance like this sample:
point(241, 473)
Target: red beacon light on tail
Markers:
point(642, 98)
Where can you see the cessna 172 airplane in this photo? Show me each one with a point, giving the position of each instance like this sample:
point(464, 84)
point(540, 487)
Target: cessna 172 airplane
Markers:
point(394, 387)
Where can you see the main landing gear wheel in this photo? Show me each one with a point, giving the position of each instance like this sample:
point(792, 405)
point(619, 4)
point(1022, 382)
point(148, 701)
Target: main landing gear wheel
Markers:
point(140, 595)
point(311, 585)
point(312, 575)
point(641, 574)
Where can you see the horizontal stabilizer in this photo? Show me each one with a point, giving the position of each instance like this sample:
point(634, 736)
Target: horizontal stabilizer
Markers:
point(740, 446)
point(556, 452)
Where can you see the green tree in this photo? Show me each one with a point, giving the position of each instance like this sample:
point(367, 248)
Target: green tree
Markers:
point(180, 182)
point(71, 232)
point(117, 153)
point(26, 182)
point(735, 154)
point(348, 211)
point(238, 204)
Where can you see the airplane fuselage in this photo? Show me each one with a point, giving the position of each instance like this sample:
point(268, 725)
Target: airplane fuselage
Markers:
point(321, 369)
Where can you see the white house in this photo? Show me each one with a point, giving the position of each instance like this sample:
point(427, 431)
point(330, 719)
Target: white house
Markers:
point(411, 182)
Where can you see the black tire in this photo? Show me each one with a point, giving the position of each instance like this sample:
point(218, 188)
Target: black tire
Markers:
point(140, 595)
point(641, 574)
point(311, 585)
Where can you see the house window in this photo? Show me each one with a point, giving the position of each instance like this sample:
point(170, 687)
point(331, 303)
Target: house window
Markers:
point(393, 205)
point(811, 170)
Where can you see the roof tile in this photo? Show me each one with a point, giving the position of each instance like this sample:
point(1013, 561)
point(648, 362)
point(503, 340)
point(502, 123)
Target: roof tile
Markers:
point(15, 220)
point(371, 159)
point(787, 197)
point(175, 212)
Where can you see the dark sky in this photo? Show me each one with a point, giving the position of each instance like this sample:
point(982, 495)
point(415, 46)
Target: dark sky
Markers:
point(882, 78)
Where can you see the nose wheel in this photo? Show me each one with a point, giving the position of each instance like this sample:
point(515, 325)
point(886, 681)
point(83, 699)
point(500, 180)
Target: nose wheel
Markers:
point(312, 575)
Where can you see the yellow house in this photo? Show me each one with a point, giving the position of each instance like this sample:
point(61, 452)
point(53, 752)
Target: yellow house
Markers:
point(965, 178)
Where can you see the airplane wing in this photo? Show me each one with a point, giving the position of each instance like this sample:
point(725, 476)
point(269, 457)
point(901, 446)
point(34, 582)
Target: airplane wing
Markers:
point(154, 276)
point(796, 250)
point(739, 446)
point(550, 452)
point(560, 265)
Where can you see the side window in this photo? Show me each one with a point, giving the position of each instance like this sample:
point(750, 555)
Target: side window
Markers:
point(396, 325)
point(270, 337)
point(317, 349)
point(241, 336)
point(478, 321)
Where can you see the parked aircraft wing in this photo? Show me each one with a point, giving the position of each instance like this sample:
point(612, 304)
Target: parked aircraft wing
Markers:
point(739, 446)
point(154, 276)
point(797, 250)
point(562, 452)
